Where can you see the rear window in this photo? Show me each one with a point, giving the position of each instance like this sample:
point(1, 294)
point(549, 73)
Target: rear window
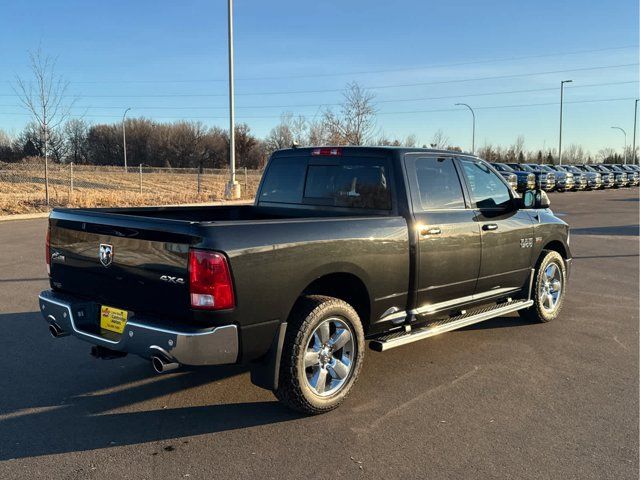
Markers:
point(358, 186)
point(354, 183)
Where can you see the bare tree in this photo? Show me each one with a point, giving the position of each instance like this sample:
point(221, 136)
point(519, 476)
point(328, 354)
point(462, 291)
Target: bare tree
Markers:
point(5, 139)
point(299, 128)
point(355, 123)
point(290, 130)
point(518, 146)
point(384, 141)
point(491, 153)
point(317, 133)
point(606, 155)
point(515, 153)
point(30, 141)
point(410, 141)
point(45, 99)
point(573, 154)
point(6, 147)
point(75, 136)
point(439, 140)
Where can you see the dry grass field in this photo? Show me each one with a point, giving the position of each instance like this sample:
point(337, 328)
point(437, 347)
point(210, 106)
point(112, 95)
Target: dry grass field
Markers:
point(22, 186)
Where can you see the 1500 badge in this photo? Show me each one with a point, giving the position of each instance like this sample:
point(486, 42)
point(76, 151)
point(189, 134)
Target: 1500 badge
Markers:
point(526, 242)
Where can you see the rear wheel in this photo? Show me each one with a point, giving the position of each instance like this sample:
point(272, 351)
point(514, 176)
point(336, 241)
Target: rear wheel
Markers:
point(548, 288)
point(322, 354)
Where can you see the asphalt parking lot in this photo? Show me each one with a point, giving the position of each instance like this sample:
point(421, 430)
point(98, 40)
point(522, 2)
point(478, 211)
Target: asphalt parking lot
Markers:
point(502, 399)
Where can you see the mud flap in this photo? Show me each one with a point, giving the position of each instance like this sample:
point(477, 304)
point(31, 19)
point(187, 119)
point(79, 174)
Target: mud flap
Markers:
point(265, 374)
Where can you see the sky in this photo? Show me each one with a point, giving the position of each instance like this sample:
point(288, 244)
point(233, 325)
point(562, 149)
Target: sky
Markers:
point(167, 61)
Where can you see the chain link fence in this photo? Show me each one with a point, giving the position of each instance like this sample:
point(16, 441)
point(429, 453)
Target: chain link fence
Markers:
point(24, 187)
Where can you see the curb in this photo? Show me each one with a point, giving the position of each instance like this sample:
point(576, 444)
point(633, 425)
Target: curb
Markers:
point(33, 216)
point(23, 216)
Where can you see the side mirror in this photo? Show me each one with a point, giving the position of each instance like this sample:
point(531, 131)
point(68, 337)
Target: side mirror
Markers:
point(534, 199)
point(542, 199)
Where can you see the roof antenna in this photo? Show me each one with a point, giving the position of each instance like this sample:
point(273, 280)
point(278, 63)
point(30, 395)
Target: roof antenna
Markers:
point(294, 144)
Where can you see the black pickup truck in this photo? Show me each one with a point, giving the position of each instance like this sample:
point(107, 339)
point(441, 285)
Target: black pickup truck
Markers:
point(342, 245)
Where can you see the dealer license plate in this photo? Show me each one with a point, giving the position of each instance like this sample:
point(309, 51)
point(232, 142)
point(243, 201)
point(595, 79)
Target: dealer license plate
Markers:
point(113, 319)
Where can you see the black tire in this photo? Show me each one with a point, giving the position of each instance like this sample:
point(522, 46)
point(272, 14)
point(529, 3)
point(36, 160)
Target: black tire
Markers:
point(294, 387)
point(540, 310)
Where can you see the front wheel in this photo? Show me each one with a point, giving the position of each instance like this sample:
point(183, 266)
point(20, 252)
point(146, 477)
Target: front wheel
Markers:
point(549, 288)
point(322, 354)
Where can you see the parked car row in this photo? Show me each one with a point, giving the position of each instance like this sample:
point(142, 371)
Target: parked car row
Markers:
point(562, 178)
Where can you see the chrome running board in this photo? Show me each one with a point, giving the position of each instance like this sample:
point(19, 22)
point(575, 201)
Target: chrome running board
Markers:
point(397, 339)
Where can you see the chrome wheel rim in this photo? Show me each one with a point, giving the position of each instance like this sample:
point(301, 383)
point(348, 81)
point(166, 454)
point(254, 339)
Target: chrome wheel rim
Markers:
point(551, 287)
point(329, 356)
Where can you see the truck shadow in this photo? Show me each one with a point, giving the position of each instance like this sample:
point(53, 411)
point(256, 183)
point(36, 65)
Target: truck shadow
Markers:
point(69, 405)
point(499, 322)
point(72, 403)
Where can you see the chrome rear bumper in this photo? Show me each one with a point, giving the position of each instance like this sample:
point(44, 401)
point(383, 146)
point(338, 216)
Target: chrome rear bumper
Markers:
point(145, 337)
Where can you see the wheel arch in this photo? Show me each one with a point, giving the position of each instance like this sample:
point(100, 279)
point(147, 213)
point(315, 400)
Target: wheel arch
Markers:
point(346, 286)
point(338, 282)
point(556, 246)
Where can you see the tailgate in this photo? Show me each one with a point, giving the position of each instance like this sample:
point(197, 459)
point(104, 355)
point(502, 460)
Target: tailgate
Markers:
point(132, 263)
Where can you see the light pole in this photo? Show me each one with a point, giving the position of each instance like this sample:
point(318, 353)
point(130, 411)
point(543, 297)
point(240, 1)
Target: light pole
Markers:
point(124, 139)
point(625, 142)
point(634, 156)
point(560, 136)
point(473, 131)
point(233, 187)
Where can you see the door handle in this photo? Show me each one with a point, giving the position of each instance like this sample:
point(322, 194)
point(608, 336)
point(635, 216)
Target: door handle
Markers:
point(490, 226)
point(424, 231)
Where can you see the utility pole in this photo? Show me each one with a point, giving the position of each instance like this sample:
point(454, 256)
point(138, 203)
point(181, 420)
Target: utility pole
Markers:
point(625, 143)
point(560, 136)
point(124, 139)
point(233, 187)
point(473, 131)
point(634, 156)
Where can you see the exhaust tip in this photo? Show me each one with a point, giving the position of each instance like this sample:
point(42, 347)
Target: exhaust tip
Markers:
point(56, 331)
point(161, 365)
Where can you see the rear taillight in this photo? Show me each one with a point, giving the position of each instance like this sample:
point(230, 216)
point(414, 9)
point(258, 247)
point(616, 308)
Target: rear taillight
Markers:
point(210, 285)
point(47, 250)
point(326, 152)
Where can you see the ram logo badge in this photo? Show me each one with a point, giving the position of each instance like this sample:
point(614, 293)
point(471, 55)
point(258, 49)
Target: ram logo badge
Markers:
point(170, 279)
point(106, 254)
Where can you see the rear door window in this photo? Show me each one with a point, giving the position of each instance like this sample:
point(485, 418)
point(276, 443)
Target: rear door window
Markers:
point(438, 184)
